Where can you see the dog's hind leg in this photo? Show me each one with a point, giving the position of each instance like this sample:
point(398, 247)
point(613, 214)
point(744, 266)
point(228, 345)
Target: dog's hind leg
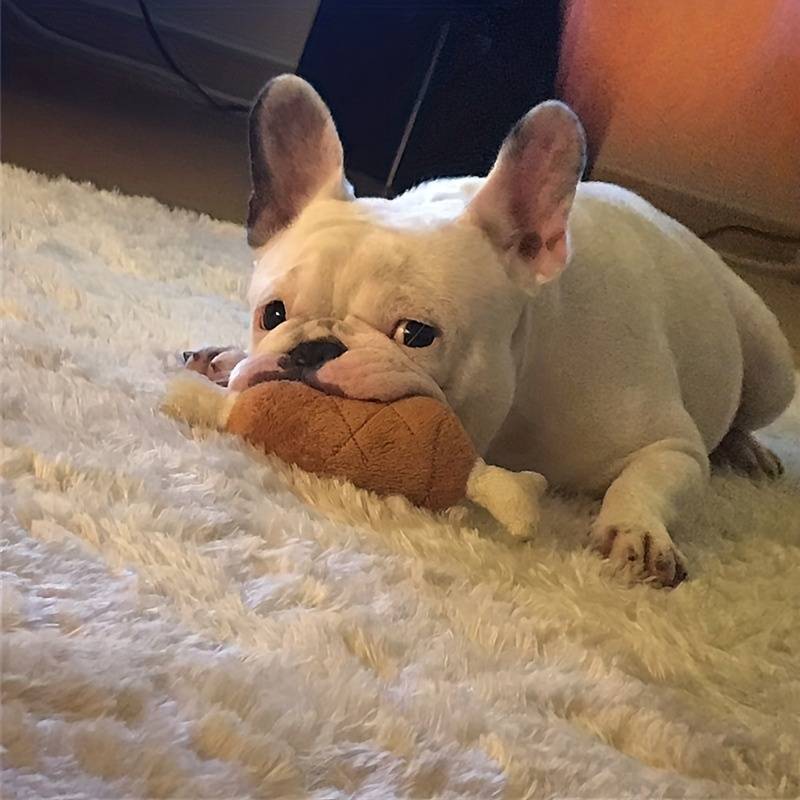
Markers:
point(768, 382)
point(742, 452)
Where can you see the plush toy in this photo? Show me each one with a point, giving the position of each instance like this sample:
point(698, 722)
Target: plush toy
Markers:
point(415, 447)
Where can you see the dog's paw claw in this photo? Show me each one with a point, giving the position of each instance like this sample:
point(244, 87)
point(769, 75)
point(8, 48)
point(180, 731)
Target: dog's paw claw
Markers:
point(640, 553)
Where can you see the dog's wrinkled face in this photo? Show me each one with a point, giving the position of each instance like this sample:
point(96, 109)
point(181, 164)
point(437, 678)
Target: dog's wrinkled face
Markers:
point(379, 299)
point(405, 321)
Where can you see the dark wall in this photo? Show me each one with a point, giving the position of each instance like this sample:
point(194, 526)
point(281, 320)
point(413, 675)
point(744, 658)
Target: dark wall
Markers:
point(488, 63)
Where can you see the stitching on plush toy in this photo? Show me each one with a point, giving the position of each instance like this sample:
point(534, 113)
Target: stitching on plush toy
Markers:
point(402, 419)
point(436, 433)
point(336, 402)
point(354, 432)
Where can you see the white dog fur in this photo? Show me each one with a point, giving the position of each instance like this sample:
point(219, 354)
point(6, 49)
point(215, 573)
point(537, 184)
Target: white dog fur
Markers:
point(619, 376)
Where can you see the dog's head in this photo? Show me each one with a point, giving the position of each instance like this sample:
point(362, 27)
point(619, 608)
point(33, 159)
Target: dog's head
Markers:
point(378, 299)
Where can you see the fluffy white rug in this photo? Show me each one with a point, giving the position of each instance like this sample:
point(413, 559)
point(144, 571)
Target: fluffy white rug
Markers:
point(183, 619)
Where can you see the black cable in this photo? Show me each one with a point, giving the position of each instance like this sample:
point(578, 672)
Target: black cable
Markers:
point(41, 27)
point(782, 238)
point(167, 56)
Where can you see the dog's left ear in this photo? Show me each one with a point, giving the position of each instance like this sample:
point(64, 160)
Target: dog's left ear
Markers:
point(295, 156)
point(525, 203)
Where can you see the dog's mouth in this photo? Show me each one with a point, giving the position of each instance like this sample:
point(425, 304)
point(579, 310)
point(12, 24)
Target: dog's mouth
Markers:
point(275, 368)
point(276, 375)
point(365, 374)
point(296, 374)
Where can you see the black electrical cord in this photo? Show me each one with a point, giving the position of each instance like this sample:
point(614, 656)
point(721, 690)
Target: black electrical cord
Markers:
point(238, 108)
point(781, 238)
point(46, 30)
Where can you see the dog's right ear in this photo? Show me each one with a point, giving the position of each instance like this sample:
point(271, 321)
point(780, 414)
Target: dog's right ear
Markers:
point(295, 156)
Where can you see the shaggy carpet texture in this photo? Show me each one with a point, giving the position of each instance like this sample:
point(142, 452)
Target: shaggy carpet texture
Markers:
point(184, 618)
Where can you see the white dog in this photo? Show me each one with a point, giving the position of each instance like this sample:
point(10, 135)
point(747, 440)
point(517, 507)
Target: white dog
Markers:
point(575, 330)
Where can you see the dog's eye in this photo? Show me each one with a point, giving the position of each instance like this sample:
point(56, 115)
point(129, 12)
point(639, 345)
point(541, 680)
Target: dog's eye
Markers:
point(412, 333)
point(273, 314)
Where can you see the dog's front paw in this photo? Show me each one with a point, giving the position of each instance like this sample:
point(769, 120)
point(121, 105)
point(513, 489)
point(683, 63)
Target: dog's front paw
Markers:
point(216, 363)
point(643, 553)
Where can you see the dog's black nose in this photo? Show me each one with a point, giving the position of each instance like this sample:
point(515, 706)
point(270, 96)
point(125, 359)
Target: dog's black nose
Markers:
point(314, 354)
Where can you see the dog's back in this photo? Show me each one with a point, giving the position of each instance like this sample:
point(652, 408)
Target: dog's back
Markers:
point(694, 296)
point(646, 324)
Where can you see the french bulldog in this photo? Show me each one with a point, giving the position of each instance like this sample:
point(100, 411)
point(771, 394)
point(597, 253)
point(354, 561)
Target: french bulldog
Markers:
point(576, 331)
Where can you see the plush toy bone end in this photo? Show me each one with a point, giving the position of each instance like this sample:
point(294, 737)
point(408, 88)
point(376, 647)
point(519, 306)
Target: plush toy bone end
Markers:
point(512, 498)
point(196, 400)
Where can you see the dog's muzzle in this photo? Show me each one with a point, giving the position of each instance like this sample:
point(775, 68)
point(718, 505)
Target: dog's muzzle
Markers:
point(312, 355)
point(299, 364)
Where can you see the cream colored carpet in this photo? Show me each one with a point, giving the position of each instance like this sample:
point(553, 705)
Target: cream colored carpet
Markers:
point(182, 619)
